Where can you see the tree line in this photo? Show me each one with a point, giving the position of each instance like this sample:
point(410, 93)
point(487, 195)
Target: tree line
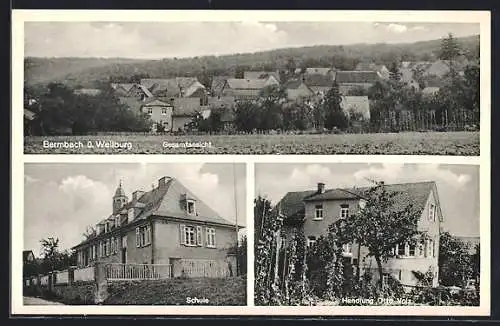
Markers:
point(58, 110)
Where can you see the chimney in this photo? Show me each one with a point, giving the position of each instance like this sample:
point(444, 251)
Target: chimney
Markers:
point(137, 194)
point(321, 187)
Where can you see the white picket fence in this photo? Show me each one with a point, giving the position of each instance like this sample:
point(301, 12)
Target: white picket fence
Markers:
point(84, 274)
point(204, 268)
point(122, 272)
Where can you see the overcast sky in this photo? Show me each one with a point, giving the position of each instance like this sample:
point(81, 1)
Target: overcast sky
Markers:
point(61, 200)
point(151, 40)
point(457, 185)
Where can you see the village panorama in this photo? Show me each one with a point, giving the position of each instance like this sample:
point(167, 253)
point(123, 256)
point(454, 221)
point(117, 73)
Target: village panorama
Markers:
point(407, 98)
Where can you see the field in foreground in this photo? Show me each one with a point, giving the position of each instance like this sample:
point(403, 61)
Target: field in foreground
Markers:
point(407, 143)
point(218, 291)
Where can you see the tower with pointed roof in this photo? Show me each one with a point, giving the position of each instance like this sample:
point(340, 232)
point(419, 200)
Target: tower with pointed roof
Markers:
point(119, 199)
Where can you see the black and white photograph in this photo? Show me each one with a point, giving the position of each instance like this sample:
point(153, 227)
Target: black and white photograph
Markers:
point(252, 87)
point(134, 234)
point(367, 234)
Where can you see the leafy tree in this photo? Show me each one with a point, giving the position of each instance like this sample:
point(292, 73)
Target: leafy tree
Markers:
point(54, 259)
point(394, 73)
point(297, 115)
point(333, 112)
point(455, 261)
point(381, 225)
point(248, 116)
point(271, 103)
point(450, 49)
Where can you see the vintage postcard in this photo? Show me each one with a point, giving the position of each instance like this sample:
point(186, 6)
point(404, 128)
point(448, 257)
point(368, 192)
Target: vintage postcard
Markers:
point(312, 163)
point(252, 83)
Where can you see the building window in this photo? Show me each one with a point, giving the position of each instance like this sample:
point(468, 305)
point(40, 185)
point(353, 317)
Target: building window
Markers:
point(149, 110)
point(143, 236)
point(432, 212)
point(113, 245)
point(106, 227)
point(433, 248)
point(199, 236)
point(210, 232)
point(118, 220)
point(347, 249)
point(400, 249)
point(108, 247)
point(400, 275)
point(411, 250)
point(189, 236)
point(344, 211)
point(164, 111)
point(190, 207)
point(311, 241)
point(420, 249)
point(318, 212)
point(130, 214)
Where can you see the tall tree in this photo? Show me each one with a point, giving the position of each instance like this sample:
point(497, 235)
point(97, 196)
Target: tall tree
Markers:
point(335, 116)
point(455, 261)
point(380, 225)
point(450, 49)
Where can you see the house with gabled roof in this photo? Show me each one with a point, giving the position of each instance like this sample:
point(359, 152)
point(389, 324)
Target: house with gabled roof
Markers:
point(330, 72)
point(381, 70)
point(168, 224)
point(160, 112)
point(319, 84)
point(246, 89)
point(174, 87)
point(261, 75)
point(313, 211)
point(348, 80)
point(122, 89)
point(297, 89)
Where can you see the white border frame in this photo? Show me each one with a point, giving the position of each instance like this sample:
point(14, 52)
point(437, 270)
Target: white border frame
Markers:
point(18, 158)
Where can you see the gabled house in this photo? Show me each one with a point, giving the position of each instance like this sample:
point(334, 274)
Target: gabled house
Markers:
point(381, 70)
point(28, 256)
point(217, 85)
point(297, 89)
point(161, 113)
point(329, 72)
point(319, 84)
point(165, 225)
point(122, 89)
point(174, 87)
point(261, 75)
point(348, 80)
point(246, 89)
point(312, 211)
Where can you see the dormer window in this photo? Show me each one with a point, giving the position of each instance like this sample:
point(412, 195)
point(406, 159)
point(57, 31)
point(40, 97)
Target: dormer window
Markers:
point(164, 111)
point(190, 207)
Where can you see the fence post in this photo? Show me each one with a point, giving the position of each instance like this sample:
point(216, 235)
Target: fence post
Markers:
point(101, 283)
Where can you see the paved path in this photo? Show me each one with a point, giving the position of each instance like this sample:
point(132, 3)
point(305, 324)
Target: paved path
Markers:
point(39, 302)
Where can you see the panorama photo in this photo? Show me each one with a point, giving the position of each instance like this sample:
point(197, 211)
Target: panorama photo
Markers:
point(252, 87)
